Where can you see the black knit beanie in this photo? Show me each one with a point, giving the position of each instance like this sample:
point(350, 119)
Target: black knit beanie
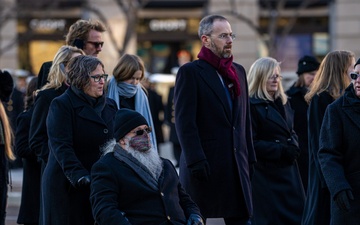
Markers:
point(6, 85)
point(125, 121)
point(307, 64)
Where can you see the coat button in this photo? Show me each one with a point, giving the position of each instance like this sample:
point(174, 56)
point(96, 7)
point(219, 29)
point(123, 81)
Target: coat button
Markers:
point(234, 149)
point(168, 217)
point(162, 194)
point(106, 131)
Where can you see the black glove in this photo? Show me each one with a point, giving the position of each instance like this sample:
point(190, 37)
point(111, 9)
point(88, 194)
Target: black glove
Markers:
point(290, 153)
point(83, 181)
point(342, 199)
point(200, 170)
point(195, 219)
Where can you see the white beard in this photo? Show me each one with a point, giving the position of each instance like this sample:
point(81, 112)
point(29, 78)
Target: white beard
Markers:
point(150, 159)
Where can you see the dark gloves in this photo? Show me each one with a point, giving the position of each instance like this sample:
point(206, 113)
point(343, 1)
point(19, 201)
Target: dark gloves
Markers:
point(200, 170)
point(83, 182)
point(195, 219)
point(342, 199)
point(290, 153)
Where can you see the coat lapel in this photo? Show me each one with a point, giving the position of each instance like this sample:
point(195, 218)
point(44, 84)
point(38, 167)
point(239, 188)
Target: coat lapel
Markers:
point(211, 78)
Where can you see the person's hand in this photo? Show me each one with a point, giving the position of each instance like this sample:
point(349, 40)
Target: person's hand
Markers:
point(342, 199)
point(195, 219)
point(83, 181)
point(290, 153)
point(200, 170)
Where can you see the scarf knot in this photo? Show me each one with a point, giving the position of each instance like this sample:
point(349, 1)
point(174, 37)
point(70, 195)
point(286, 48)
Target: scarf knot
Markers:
point(225, 69)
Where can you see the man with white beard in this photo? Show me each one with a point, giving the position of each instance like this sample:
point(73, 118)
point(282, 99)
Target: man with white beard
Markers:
point(131, 184)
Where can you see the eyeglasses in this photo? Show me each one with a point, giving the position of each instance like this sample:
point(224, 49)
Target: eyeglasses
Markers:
point(226, 36)
point(354, 75)
point(98, 77)
point(96, 44)
point(141, 132)
point(275, 77)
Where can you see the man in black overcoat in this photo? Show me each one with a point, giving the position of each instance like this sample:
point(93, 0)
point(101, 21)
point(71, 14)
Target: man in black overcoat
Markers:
point(214, 128)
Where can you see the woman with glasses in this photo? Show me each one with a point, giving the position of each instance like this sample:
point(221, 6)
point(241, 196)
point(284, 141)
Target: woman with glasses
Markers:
point(339, 153)
point(330, 82)
point(127, 91)
point(278, 194)
point(79, 122)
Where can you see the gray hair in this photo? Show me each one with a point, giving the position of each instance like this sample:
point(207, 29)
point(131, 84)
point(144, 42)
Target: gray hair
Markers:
point(79, 69)
point(206, 24)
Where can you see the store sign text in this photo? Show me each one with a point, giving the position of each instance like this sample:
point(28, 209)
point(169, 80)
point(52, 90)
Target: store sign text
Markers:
point(167, 25)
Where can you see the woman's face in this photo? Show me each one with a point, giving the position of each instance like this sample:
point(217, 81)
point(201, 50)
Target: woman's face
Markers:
point(356, 82)
point(96, 88)
point(350, 69)
point(309, 77)
point(135, 79)
point(272, 84)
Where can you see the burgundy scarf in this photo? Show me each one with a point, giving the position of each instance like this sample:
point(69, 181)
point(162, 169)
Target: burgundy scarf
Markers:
point(225, 69)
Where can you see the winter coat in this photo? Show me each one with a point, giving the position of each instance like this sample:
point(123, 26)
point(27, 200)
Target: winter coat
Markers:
point(317, 203)
point(209, 130)
point(278, 193)
point(38, 131)
point(300, 107)
point(124, 193)
point(339, 154)
point(76, 133)
point(30, 193)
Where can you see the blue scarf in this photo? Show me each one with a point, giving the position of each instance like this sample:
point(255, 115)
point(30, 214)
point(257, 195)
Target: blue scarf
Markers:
point(141, 101)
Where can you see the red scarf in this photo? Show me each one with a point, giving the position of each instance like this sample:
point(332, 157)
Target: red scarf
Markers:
point(225, 69)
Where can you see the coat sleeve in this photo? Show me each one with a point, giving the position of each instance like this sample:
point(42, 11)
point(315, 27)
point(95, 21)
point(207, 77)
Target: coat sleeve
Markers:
point(60, 122)
point(330, 151)
point(316, 113)
point(185, 100)
point(38, 138)
point(104, 193)
point(22, 148)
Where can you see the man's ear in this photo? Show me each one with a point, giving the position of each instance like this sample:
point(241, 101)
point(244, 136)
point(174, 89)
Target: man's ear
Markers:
point(205, 40)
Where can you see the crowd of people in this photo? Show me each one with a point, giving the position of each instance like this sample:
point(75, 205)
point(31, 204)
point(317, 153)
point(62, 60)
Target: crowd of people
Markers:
point(246, 150)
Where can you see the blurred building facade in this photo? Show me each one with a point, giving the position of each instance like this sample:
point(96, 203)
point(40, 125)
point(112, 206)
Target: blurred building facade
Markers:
point(31, 32)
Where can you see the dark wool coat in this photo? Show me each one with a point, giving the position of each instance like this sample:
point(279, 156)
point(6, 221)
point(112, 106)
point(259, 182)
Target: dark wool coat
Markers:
point(30, 194)
point(278, 193)
point(3, 179)
point(123, 192)
point(300, 107)
point(38, 131)
point(208, 129)
point(317, 203)
point(339, 154)
point(43, 74)
point(76, 133)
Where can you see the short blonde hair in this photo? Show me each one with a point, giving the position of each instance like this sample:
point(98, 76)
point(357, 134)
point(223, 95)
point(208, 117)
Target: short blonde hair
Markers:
point(260, 71)
point(127, 66)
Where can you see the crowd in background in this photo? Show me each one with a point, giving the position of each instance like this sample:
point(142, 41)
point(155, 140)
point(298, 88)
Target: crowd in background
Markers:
point(246, 149)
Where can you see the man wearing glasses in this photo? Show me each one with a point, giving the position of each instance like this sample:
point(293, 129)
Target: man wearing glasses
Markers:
point(212, 120)
point(131, 184)
point(84, 34)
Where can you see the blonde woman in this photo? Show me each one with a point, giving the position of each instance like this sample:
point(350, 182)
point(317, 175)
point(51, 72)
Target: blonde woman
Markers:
point(55, 86)
point(278, 194)
point(330, 82)
point(6, 153)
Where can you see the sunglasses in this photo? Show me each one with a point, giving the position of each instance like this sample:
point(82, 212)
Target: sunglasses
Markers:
point(96, 44)
point(354, 75)
point(141, 132)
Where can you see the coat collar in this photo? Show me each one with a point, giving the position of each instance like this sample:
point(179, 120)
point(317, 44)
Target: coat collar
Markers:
point(86, 111)
point(351, 103)
point(273, 115)
point(211, 78)
point(135, 165)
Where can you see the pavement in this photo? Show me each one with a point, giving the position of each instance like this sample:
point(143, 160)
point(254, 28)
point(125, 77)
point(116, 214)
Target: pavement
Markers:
point(14, 195)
